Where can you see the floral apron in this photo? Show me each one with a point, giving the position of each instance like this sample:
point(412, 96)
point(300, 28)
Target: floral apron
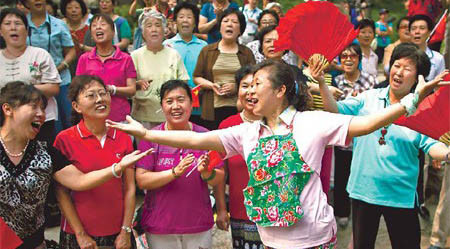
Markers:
point(278, 175)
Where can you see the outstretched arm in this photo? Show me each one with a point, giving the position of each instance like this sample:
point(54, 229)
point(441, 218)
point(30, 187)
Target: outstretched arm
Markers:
point(177, 139)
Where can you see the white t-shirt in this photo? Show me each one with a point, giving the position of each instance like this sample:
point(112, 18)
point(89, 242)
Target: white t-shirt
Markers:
point(35, 66)
point(311, 135)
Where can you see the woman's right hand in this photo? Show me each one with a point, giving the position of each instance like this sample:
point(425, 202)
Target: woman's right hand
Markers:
point(183, 165)
point(85, 241)
point(131, 127)
point(143, 84)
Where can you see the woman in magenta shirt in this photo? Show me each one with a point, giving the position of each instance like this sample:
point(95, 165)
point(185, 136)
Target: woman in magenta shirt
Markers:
point(177, 210)
point(113, 66)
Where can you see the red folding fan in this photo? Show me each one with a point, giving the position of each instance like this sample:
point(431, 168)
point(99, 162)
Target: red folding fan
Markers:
point(8, 238)
point(432, 117)
point(214, 159)
point(315, 31)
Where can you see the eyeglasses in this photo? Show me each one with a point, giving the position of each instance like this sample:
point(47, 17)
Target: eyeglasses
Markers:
point(91, 96)
point(351, 56)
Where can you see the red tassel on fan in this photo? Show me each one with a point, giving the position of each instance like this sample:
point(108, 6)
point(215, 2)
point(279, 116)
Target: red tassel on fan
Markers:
point(195, 96)
point(315, 28)
point(8, 238)
point(432, 117)
point(214, 159)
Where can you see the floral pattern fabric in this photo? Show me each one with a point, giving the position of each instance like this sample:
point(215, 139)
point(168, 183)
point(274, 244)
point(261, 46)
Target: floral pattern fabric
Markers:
point(278, 175)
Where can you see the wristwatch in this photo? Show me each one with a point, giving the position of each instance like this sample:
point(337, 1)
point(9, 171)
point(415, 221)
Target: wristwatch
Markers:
point(127, 229)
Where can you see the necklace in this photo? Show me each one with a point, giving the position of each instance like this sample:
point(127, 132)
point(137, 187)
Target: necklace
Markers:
point(245, 118)
point(112, 52)
point(11, 154)
point(382, 140)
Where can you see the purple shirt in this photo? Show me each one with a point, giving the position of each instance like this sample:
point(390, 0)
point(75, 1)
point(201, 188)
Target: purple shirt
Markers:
point(113, 71)
point(183, 205)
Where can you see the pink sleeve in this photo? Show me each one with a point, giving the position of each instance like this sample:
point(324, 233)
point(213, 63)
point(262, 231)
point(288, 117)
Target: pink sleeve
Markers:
point(131, 70)
point(81, 66)
point(333, 132)
point(231, 139)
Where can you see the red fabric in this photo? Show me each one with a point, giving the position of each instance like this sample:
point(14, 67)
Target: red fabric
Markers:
point(439, 33)
point(100, 209)
point(8, 238)
point(430, 8)
point(237, 175)
point(79, 36)
point(432, 117)
point(214, 160)
point(195, 96)
point(298, 30)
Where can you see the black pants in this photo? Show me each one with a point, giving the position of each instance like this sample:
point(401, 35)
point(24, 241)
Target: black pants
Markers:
point(342, 161)
point(402, 224)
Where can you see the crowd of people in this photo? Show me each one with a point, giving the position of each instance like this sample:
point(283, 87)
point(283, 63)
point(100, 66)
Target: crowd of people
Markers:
point(91, 109)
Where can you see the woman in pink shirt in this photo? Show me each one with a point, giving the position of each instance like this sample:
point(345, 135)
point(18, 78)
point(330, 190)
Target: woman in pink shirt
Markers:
point(283, 152)
point(177, 211)
point(114, 67)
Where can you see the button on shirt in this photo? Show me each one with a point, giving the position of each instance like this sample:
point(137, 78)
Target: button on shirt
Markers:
point(437, 63)
point(383, 175)
point(113, 71)
point(58, 33)
point(189, 52)
point(311, 135)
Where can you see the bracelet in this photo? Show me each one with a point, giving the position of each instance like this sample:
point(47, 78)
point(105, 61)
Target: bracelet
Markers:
point(113, 170)
point(127, 229)
point(410, 103)
point(173, 173)
point(66, 65)
point(212, 176)
point(114, 89)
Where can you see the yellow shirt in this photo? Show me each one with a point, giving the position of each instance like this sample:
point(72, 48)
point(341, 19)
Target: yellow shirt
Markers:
point(160, 67)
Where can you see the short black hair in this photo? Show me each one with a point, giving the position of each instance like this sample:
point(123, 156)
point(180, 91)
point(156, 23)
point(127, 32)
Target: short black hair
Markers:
point(11, 11)
point(105, 17)
point(425, 18)
point(263, 32)
point(280, 74)
point(241, 73)
point(77, 85)
point(401, 20)
point(64, 3)
point(366, 23)
point(356, 48)
point(172, 85)
point(270, 12)
point(190, 6)
point(18, 93)
point(418, 57)
point(241, 18)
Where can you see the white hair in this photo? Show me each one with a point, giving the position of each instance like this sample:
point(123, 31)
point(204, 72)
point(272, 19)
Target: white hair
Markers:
point(152, 14)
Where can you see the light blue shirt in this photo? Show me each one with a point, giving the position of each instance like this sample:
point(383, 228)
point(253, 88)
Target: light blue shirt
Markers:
point(58, 33)
point(437, 63)
point(189, 52)
point(387, 174)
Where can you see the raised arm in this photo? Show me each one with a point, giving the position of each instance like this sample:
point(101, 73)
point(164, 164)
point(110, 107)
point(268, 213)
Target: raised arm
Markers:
point(362, 125)
point(178, 139)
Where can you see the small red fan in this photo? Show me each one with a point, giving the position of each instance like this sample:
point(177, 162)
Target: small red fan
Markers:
point(432, 117)
point(315, 31)
point(8, 238)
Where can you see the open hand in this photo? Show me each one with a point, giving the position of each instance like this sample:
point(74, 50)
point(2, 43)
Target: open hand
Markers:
point(131, 127)
point(216, 88)
point(143, 84)
point(425, 88)
point(184, 164)
point(202, 164)
point(123, 240)
point(133, 157)
point(228, 89)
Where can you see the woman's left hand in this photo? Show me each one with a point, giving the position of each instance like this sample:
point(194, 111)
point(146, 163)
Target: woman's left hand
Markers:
point(123, 240)
point(228, 89)
point(425, 88)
